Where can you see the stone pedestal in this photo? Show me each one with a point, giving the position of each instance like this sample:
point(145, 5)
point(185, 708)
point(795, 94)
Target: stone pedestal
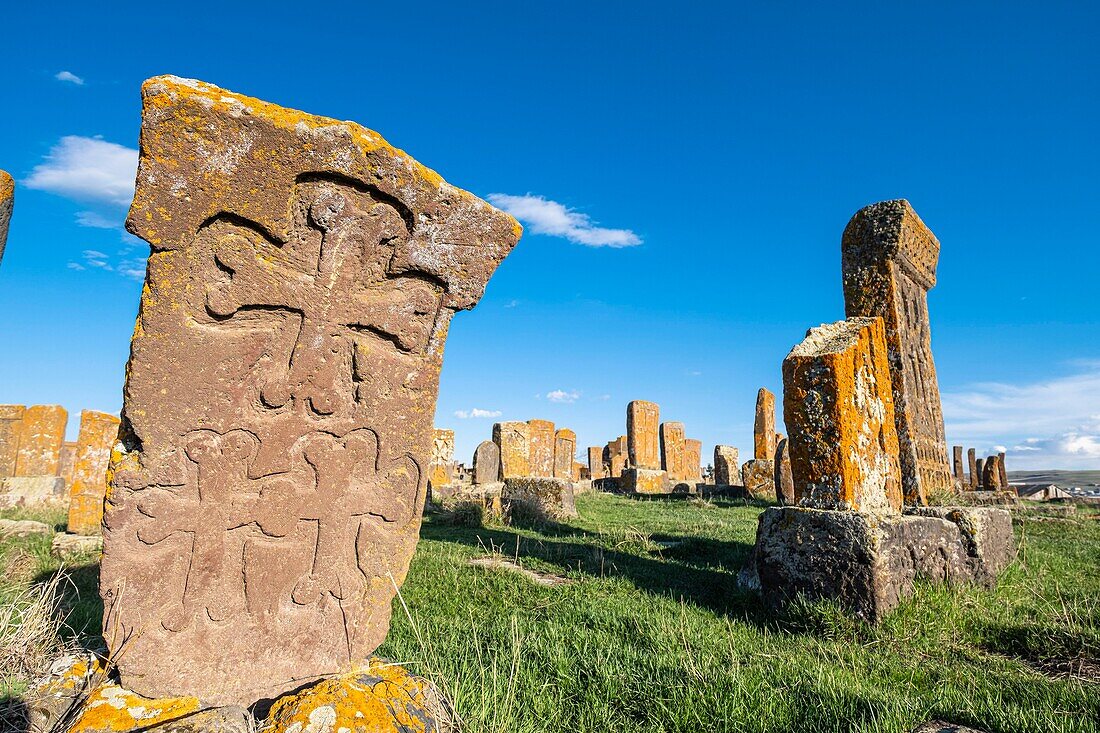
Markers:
point(868, 563)
point(548, 498)
point(644, 481)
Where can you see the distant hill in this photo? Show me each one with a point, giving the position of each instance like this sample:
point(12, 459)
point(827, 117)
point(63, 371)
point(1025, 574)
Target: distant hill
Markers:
point(1062, 479)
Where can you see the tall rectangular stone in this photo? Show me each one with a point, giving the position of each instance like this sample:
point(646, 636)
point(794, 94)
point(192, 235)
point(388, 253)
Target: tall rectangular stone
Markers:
point(67, 463)
point(41, 434)
point(784, 479)
point(617, 456)
point(11, 422)
point(889, 262)
point(980, 473)
point(266, 497)
point(441, 468)
point(838, 407)
point(565, 451)
point(596, 467)
point(514, 440)
point(642, 420)
point(7, 204)
point(543, 442)
point(727, 469)
point(673, 451)
point(98, 433)
point(693, 461)
point(1001, 470)
point(957, 464)
point(763, 433)
point(974, 478)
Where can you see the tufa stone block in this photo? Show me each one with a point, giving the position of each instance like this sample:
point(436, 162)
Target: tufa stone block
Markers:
point(644, 481)
point(565, 449)
point(41, 434)
point(11, 423)
point(514, 440)
point(784, 479)
point(693, 461)
point(486, 463)
point(727, 468)
point(542, 436)
point(758, 478)
point(673, 450)
point(98, 433)
point(7, 204)
point(838, 406)
point(597, 469)
point(763, 433)
point(642, 421)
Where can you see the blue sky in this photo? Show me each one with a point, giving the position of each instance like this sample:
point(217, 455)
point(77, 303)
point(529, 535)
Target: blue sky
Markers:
point(685, 176)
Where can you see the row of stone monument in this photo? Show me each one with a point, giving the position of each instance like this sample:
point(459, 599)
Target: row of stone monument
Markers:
point(987, 473)
point(38, 466)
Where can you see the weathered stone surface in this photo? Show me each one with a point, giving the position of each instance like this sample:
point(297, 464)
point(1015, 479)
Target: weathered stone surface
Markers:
point(7, 204)
point(644, 481)
point(55, 696)
point(957, 464)
point(67, 462)
point(866, 562)
point(758, 478)
point(727, 467)
point(487, 463)
point(980, 472)
point(514, 440)
point(580, 471)
point(642, 441)
point(987, 533)
point(763, 432)
point(98, 433)
point(23, 528)
point(41, 433)
point(277, 422)
point(991, 478)
point(543, 441)
point(565, 451)
point(381, 698)
point(1001, 470)
point(673, 450)
point(974, 477)
point(617, 456)
point(838, 406)
point(889, 262)
point(11, 423)
point(693, 460)
point(23, 491)
point(784, 479)
point(596, 467)
point(67, 546)
point(550, 498)
point(441, 472)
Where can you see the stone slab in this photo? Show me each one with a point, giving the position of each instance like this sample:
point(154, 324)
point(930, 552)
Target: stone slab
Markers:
point(758, 478)
point(642, 435)
point(98, 433)
point(25, 491)
point(727, 467)
point(645, 481)
point(41, 435)
point(550, 497)
point(486, 463)
point(543, 442)
point(514, 440)
point(7, 205)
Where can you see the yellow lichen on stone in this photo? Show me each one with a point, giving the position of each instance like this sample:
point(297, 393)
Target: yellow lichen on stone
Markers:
point(113, 708)
point(378, 699)
point(7, 186)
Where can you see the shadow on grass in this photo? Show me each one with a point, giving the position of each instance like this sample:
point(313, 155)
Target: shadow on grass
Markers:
point(697, 570)
point(1052, 649)
point(80, 605)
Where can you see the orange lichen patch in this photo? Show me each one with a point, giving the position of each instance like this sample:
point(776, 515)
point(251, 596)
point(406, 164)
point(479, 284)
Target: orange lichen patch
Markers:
point(514, 440)
point(838, 405)
point(378, 699)
point(42, 433)
point(7, 186)
point(113, 708)
point(98, 431)
point(541, 436)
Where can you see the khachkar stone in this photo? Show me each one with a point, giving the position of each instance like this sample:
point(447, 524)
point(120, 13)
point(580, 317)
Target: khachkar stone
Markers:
point(727, 468)
point(642, 420)
point(889, 262)
point(565, 449)
point(616, 455)
point(41, 433)
point(693, 460)
point(487, 463)
point(991, 478)
point(1001, 470)
point(763, 434)
point(67, 461)
point(514, 441)
point(441, 471)
point(972, 462)
point(11, 423)
point(838, 407)
point(596, 467)
point(277, 424)
point(543, 441)
point(673, 451)
point(957, 464)
point(980, 473)
point(784, 479)
point(98, 433)
point(7, 203)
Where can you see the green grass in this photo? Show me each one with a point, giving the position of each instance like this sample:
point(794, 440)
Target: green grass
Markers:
point(651, 637)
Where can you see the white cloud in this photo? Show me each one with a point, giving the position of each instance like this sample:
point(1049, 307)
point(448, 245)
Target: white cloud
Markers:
point(511, 303)
point(560, 395)
point(69, 77)
point(96, 220)
point(87, 169)
point(128, 267)
point(475, 413)
point(1049, 425)
point(543, 216)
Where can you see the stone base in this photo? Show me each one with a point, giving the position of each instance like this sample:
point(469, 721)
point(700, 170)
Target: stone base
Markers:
point(868, 563)
point(644, 481)
point(725, 491)
point(758, 477)
point(68, 546)
point(23, 528)
point(548, 498)
point(379, 698)
point(23, 491)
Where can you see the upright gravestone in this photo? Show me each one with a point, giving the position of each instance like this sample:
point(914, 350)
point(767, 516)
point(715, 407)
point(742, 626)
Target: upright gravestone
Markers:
point(441, 471)
point(276, 435)
point(644, 474)
point(487, 463)
point(565, 449)
point(838, 406)
point(11, 422)
point(67, 462)
point(974, 479)
point(673, 450)
point(41, 433)
point(514, 441)
point(889, 262)
point(616, 456)
point(1001, 470)
point(763, 434)
point(7, 203)
point(597, 469)
point(784, 479)
point(727, 467)
point(543, 442)
point(98, 433)
point(957, 464)
point(980, 473)
point(992, 475)
point(693, 461)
